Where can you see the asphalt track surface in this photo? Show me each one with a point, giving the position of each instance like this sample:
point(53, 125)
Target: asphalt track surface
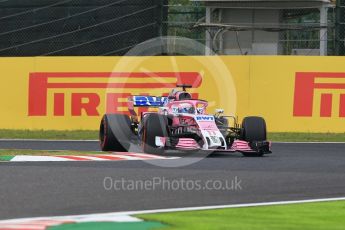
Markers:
point(292, 172)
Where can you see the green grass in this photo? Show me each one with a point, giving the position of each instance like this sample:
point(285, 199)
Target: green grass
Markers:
point(308, 137)
point(107, 226)
point(93, 135)
point(14, 152)
point(311, 216)
point(49, 134)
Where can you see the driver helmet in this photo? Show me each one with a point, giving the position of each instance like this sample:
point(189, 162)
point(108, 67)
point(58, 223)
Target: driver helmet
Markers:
point(186, 108)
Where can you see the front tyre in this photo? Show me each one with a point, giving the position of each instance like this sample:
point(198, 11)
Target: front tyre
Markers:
point(115, 132)
point(154, 125)
point(253, 130)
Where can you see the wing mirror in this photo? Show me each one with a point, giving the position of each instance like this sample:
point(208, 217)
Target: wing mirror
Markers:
point(219, 111)
point(163, 110)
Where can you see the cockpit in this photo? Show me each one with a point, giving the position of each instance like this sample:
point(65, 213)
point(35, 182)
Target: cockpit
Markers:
point(182, 102)
point(186, 108)
point(190, 107)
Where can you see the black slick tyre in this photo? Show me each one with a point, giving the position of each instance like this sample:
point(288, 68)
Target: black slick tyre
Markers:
point(154, 125)
point(253, 129)
point(115, 132)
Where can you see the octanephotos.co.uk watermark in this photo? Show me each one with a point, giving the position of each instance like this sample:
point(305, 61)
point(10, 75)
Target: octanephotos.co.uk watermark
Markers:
point(167, 184)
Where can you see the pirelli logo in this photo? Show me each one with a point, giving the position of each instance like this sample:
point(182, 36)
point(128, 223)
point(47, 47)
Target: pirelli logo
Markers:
point(327, 88)
point(83, 90)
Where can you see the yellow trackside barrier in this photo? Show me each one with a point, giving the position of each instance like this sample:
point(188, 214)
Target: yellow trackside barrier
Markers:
point(293, 94)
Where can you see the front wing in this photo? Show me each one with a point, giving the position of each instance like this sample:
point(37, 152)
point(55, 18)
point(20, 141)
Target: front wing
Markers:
point(237, 146)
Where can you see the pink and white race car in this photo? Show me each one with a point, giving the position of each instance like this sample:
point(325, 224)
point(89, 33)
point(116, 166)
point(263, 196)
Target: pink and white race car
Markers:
point(181, 123)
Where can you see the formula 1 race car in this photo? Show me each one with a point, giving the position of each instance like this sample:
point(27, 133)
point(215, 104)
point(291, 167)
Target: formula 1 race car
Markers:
point(181, 123)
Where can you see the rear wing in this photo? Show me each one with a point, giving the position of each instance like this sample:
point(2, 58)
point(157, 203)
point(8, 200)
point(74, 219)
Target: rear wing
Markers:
point(144, 101)
point(147, 101)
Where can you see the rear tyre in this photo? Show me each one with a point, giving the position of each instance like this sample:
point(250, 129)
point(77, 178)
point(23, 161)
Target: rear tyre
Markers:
point(253, 129)
point(154, 125)
point(115, 132)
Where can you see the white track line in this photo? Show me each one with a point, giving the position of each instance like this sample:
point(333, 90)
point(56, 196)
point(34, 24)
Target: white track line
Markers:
point(311, 142)
point(25, 158)
point(230, 206)
point(48, 140)
point(127, 214)
point(85, 158)
point(274, 142)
